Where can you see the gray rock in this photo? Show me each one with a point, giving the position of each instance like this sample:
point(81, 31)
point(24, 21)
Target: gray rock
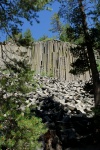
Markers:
point(71, 106)
point(71, 97)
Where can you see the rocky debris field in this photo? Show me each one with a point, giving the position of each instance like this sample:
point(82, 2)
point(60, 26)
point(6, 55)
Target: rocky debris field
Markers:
point(66, 109)
point(71, 96)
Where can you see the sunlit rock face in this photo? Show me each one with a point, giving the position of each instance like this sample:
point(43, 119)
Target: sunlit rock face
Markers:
point(51, 58)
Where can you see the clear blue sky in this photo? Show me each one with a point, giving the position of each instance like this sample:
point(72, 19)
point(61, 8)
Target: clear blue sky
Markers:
point(42, 28)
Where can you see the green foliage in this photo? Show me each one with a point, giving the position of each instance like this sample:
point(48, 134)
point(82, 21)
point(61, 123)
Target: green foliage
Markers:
point(98, 65)
point(24, 39)
point(75, 32)
point(67, 34)
point(43, 74)
point(50, 74)
point(96, 35)
point(13, 12)
point(19, 129)
point(20, 132)
point(27, 38)
point(79, 66)
point(56, 24)
point(81, 63)
point(45, 38)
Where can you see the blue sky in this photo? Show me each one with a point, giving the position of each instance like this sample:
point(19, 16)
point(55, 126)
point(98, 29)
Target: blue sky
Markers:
point(42, 28)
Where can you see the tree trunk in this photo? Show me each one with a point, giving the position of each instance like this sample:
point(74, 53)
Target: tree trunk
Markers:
point(97, 94)
point(93, 66)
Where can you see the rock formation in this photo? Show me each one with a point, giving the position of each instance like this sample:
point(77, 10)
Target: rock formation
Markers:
point(51, 58)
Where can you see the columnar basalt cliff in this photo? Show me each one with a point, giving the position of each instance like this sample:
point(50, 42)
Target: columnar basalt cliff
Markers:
point(51, 58)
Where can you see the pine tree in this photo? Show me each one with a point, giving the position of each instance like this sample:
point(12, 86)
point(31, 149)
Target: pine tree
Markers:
point(56, 24)
point(19, 128)
point(77, 12)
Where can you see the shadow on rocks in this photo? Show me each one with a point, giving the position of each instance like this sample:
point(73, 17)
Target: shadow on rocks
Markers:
point(66, 131)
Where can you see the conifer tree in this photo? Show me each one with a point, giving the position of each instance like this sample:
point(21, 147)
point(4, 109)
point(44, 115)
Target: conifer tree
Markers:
point(77, 13)
point(56, 24)
point(19, 129)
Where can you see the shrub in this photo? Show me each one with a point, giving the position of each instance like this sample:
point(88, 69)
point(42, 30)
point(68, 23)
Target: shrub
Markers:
point(19, 129)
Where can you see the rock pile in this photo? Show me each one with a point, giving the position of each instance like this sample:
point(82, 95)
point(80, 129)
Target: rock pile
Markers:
point(70, 95)
point(65, 107)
